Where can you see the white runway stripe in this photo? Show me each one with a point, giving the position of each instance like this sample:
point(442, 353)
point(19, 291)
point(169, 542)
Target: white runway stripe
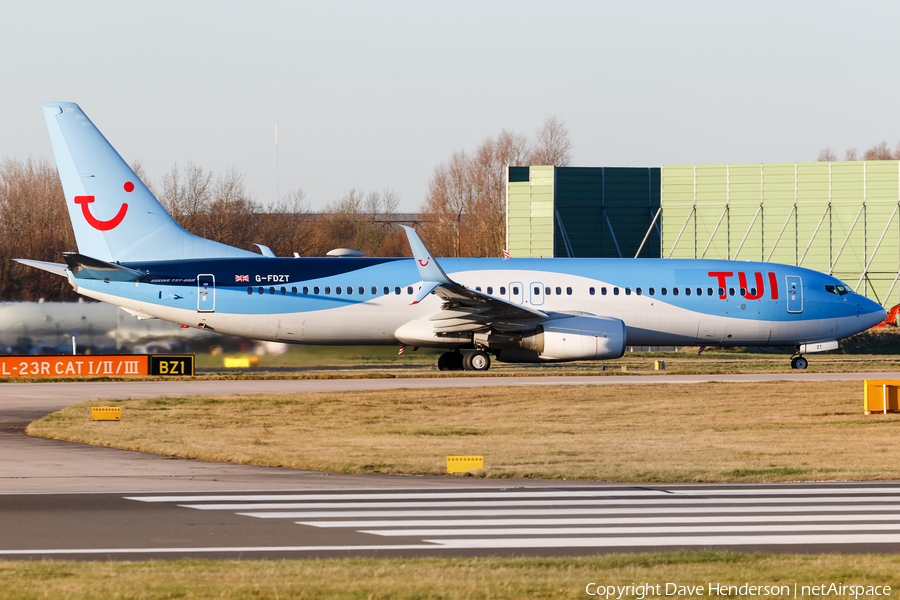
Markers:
point(702, 541)
point(500, 503)
point(616, 531)
point(519, 493)
point(493, 543)
point(867, 518)
point(358, 514)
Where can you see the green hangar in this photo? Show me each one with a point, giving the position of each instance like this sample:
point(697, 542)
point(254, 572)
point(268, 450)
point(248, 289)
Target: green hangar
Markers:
point(841, 218)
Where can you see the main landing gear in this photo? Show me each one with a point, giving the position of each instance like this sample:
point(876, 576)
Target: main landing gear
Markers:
point(472, 361)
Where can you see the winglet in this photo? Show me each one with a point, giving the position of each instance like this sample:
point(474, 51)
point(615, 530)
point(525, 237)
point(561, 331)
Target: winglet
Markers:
point(429, 269)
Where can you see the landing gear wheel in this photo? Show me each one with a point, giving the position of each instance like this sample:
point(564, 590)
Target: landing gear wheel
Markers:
point(450, 361)
point(477, 361)
point(799, 363)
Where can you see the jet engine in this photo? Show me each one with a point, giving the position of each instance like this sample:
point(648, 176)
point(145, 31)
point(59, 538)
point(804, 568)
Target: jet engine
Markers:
point(577, 338)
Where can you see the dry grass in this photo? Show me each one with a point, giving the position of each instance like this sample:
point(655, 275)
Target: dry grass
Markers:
point(435, 578)
point(781, 431)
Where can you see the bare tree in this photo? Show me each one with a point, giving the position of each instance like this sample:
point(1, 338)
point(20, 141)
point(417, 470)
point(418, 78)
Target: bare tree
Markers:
point(552, 146)
point(33, 224)
point(878, 152)
point(827, 155)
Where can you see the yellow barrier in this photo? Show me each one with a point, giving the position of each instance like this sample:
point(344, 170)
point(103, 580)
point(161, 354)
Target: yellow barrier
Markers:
point(237, 363)
point(106, 413)
point(659, 365)
point(881, 396)
point(461, 464)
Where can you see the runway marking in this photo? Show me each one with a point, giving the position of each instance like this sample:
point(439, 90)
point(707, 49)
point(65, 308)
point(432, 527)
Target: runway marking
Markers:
point(509, 493)
point(580, 518)
point(497, 544)
point(332, 514)
point(454, 523)
point(605, 502)
point(606, 531)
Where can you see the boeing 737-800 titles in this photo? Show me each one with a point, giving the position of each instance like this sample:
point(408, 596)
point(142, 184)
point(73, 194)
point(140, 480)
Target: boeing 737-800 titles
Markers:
point(132, 254)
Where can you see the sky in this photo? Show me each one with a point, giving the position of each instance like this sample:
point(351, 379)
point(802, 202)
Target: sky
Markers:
point(376, 95)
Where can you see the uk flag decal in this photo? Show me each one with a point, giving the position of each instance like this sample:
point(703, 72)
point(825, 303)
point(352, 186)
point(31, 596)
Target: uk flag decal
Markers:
point(241, 278)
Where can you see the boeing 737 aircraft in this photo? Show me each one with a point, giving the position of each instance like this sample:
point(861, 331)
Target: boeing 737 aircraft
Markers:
point(132, 254)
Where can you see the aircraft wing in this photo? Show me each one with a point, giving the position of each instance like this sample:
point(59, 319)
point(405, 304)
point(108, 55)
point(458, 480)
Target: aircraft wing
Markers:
point(466, 309)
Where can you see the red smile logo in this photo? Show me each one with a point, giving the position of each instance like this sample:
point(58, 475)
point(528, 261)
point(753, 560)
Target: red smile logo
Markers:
point(94, 221)
point(425, 262)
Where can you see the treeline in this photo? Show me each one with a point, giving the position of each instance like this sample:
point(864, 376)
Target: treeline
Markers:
point(463, 213)
point(877, 152)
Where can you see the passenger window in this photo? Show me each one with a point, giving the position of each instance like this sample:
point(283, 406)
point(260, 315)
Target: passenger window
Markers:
point(687, 291)
point(306, 290)
point(615, 291)
point(674, 291)
point(387, 290)
point(327, 289)
point(477, 288)
point(699, 291)
point(337, 290)
point(559, 291)
point(591, 291)
point(250, 290)
point(731, 291)
point(409, 290)
point(652, 291)
point(490, 289)
point(664, 291)
point(272, 290)
point(349, 290)
point(262, 290)
point(721, 292)
point(294, 291)
point(743, 292)
point(603, 291)
point(515, 290)
point(397, 290)
point(638, 291)
point(502, 290)
point(569, 291)
point(283, 290)
point(316, 290)
point(752, 291)
point(537, 291)
point(547, 291)
point(628, 291)
point(709, 291)
point(362, 290)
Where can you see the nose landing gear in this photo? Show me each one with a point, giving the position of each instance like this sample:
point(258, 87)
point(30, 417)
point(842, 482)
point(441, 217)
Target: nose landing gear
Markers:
point(798, 362)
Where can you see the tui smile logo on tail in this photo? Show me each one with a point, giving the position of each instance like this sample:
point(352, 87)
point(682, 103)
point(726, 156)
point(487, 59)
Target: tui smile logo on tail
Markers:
point(94, 221)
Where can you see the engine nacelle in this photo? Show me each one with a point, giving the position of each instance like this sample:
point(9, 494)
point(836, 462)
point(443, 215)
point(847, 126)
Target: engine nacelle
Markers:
point(577, 338)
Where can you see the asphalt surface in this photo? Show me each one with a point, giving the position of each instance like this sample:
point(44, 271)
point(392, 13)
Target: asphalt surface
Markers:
point(66, 500)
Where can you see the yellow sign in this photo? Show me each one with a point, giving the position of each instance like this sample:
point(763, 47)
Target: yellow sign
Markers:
point(881, 396)
point(106, 413)
point(461, 464)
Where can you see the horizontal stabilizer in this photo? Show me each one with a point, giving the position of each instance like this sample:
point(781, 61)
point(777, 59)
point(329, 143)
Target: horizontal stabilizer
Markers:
point(55, 268)
point(85, 267)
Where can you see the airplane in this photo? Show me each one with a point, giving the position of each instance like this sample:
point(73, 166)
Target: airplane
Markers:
point(132, 254)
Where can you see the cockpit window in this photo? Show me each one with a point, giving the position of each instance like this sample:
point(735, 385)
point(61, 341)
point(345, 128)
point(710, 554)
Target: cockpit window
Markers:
point(838, 290)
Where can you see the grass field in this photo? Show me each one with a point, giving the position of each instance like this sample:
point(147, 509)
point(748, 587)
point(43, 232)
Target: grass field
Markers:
point(711, 432)
point(449, 579)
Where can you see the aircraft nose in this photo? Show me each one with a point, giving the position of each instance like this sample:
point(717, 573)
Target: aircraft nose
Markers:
point(871, 311)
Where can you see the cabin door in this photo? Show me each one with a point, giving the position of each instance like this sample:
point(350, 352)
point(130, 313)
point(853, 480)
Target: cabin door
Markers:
point(794, 294)
point(206, 293)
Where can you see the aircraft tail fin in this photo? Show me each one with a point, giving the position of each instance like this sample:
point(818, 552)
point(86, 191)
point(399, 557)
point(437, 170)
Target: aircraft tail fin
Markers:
point(113, 214)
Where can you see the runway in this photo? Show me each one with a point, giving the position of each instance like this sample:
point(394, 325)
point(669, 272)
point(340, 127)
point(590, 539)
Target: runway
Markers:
point(65, 500)
point(511, 521)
